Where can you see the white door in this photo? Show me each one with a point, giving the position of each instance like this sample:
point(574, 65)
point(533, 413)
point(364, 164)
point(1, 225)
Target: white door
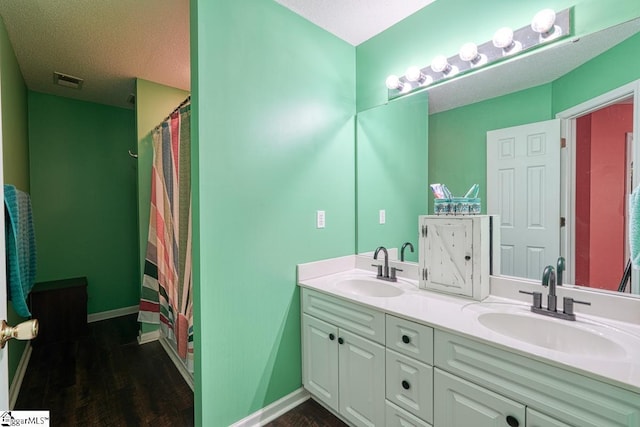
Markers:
point(320, 360)
point(523, 176)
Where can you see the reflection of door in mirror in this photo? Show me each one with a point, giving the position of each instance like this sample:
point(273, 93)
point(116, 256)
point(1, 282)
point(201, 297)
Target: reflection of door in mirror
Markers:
point(603, 171)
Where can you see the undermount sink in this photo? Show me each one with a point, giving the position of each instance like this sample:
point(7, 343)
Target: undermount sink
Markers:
point(369, 287)
point(558, 335)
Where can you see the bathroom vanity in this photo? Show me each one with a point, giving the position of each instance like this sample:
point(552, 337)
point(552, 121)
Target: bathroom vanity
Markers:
point(392, 354)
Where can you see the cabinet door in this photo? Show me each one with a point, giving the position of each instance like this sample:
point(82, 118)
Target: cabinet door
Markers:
point(536, 419)
point(361, 380)
point(448, 255)
point(320, 360)
point(459, 403)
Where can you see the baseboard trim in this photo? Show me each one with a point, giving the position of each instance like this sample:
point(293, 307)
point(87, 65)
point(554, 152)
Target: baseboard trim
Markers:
point(14, 389)
point(146, 337)
point(274, 410)
point(110, 314)
point(173, 355)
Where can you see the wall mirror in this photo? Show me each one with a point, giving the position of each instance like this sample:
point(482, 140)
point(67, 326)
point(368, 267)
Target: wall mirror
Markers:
point(539, 68)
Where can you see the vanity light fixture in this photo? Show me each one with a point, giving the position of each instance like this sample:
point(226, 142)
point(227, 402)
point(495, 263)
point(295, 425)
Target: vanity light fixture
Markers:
point(441, 65)
point(469, 52)
point(503, 39)
point(415, 75)
point(546, 26)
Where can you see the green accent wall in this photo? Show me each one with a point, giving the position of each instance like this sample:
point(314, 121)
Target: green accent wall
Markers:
point(15, 152)
point(274, 105)
point(391, 174)
point(83, 189)
point(444, 26)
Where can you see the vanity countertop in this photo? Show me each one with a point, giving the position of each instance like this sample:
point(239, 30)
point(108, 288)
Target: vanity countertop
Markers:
point(459, 315)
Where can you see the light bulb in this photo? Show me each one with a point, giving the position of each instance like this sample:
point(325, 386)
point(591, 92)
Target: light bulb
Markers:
point(543, 23)
point(439, 64)
point(393, 82)
point(414, 74)
point(469, 52)
point(503, 39)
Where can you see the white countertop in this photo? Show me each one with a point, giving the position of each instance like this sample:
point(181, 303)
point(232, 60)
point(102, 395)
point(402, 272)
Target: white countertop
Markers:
point(459, 315)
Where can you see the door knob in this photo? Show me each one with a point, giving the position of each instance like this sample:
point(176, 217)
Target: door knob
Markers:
point(24, 331)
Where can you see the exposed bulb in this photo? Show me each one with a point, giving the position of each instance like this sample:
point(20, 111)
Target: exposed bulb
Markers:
point(441, 65)
point(544, 23)
point(469, 52)
point(503, 39)
point(414, 74)
point(393, 82)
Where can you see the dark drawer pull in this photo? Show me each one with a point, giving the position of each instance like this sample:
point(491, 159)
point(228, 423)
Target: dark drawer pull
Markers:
point(512, 421)
point(407, 386)
point(406, 339)
point(467, 257)
point(332, 337)
point(340, 340)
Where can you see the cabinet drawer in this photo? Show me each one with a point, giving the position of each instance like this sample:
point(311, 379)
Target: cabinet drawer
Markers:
point(361, 320)
point(460, 403)
point(397, 417)
point(585, 402)
point(410, 384)
point(410, 338)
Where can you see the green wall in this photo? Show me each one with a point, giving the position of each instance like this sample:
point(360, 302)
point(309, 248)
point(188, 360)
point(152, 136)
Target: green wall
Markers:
point(391, 174)
point(83, 188)
point(154, 102)
point(15, 151)
point(444, 26)
point(272, 149)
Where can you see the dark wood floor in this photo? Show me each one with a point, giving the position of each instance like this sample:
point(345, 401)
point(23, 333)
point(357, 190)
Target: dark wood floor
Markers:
point(107, 379)
point(308, 414)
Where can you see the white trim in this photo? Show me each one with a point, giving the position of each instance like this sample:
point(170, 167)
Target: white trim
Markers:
point(110, 314)
point(14, 389)
point(177, 360)
point(146, 337)
point(274, 410)
point(569, 125)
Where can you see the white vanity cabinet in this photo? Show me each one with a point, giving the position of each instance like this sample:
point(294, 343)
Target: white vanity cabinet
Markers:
point(454, 254)
point(340, 367)
point(483, 380)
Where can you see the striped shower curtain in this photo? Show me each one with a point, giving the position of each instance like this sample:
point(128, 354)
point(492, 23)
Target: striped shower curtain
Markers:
point(167, 296)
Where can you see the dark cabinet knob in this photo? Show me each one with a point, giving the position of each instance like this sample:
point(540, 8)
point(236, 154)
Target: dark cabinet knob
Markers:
point(512, 421)
point(406, 339)
point(406, 385)
point(332, 337)
point(340, 340)
point(467, 257)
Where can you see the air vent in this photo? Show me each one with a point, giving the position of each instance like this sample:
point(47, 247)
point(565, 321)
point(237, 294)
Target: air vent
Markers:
point(131, 99)
point(67, 81)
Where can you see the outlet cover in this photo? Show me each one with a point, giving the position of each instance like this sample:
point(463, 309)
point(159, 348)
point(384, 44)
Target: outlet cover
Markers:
point(383, 216)
point(320, 219)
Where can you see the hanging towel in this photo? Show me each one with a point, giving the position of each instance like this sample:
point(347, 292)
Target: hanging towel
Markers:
point(634, 227)
point(21, 248)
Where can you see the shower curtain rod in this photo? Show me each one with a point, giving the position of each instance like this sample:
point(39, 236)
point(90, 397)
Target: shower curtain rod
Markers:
point(182, 104)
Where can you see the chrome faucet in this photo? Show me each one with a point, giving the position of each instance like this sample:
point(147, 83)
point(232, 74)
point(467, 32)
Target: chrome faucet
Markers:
point(549, 280)
point(403, 248)
point(383, 271)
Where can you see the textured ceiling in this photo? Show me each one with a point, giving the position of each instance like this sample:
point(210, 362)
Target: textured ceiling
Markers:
point(355, 21)
point(108, 43)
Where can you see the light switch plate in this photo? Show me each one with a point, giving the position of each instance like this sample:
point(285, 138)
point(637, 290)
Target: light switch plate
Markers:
point(382, 216)
point(320, 219)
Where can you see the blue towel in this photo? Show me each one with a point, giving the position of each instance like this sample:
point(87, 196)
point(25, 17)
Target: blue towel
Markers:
point(21, 248)
point(634, 227)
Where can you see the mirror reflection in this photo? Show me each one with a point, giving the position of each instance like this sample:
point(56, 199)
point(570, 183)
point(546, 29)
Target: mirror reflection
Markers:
point(462, 111)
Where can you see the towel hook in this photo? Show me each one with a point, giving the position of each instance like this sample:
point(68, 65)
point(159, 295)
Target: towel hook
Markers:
point(135, 156)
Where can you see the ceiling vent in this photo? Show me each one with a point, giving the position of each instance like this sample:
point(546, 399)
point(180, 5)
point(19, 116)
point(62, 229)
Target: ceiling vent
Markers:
point(67, 81)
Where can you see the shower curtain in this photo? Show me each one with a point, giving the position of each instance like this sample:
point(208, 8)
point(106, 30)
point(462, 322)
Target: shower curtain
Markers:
point(167, 297)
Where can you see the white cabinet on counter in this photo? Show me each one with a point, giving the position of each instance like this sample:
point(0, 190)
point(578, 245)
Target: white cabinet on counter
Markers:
point(341, 368)
point(454, 254)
